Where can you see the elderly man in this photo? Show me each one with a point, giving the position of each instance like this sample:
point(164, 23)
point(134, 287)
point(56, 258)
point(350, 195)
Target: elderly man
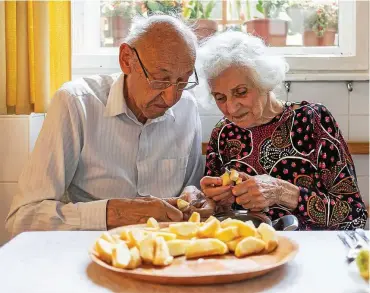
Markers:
point(114, 150)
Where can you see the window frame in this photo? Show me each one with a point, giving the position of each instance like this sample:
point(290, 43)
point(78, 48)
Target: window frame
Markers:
point(348, 61)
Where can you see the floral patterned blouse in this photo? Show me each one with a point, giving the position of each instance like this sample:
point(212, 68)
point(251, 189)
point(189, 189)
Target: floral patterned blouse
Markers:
point(305, 147)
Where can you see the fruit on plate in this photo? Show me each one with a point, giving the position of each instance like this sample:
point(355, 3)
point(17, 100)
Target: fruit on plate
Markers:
point(209, 229)
point(135, 259)
point(167, 236)
point(184, 230)
point(152, 223)
point(195, 217)
point(147, 248)
point(210, 219)
point(177, 247)
point(104, 250)
point(244, 229)
point(205, 247)
point(249, 245)
point(129, 247)
point(120, 255)
point(136, 236)
point(362, 261)
point(233, 243)
point(124, 234)
point(227, 234)
point(107, 237)
point(162, 256)
point(269, 236)
point(182, 204)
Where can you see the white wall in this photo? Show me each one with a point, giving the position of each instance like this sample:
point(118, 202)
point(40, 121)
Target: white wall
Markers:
point(18, 133)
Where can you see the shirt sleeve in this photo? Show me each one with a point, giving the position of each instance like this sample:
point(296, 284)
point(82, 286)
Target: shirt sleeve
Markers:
point(39, 203)
point(332, 199)
point(195, 167)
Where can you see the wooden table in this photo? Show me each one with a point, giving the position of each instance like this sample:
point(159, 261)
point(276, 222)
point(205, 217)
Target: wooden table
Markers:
point(58, 262)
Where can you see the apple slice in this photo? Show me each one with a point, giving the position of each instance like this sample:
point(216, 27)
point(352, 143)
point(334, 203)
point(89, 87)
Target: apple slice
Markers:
point(248, 246)
point(121, 255)
point(162, 256)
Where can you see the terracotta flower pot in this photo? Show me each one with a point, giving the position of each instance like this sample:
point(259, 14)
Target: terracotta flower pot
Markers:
point(310, 38)
point(120, 29)
point(273, 31)
point(205, 28)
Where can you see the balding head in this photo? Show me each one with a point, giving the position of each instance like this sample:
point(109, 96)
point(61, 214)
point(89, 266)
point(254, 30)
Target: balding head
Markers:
point(166, 48)
point(159, 29)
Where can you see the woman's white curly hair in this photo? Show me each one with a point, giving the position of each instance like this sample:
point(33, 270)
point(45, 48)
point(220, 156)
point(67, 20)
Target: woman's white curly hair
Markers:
point(232, 48)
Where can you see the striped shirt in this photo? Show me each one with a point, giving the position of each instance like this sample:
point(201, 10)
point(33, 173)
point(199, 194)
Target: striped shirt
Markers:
point(92, 148)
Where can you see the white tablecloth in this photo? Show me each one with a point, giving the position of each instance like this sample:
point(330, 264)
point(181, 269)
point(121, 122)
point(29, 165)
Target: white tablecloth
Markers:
point(58, 262)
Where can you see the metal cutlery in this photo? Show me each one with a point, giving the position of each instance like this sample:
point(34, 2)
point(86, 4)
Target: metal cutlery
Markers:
point(362, 234)
point(352, 253)
point(352, 240)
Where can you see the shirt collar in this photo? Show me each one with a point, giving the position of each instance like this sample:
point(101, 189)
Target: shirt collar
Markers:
point(116, 103)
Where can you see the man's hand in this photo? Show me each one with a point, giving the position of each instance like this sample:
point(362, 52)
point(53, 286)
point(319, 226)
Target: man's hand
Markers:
point(135, 211)
point(198, 203)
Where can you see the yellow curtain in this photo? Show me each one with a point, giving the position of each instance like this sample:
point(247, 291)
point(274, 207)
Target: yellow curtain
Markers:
point(35, 53)
point(2, 60)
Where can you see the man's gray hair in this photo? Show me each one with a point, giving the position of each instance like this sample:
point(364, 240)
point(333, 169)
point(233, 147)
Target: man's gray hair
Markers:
point(141, 25)
point(233, 48)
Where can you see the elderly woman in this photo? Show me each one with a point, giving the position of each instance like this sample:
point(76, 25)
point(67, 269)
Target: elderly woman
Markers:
point(293, 155)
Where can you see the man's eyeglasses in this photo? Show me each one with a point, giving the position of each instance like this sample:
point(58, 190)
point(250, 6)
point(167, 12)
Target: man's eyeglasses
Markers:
point(162, 85)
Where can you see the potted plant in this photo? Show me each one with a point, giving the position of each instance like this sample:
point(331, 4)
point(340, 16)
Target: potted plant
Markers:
point(273, 27)
point(200, 13)
point(119, 15)
point(320, 24)
point(161, 7)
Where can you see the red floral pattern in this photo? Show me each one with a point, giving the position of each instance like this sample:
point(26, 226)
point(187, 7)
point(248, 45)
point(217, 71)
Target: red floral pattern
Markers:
point(303, 146)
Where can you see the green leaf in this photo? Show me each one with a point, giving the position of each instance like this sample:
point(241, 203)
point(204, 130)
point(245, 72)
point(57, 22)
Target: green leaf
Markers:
point(238, 6)
point(259, 6)
point(153, 6)
point(200, 11)
point(248, 10)
point(209, 8)
point(188, 10)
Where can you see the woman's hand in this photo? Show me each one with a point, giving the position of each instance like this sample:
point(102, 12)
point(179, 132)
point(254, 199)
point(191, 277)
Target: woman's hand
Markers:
point(222, 195)
point(262, 191)
point(212, 188)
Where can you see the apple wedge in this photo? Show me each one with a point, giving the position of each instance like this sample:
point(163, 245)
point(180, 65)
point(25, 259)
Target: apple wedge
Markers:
point(205, 247)
point(248, 246)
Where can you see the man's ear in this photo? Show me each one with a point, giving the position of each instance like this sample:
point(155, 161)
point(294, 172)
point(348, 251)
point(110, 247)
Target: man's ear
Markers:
point(125, 58)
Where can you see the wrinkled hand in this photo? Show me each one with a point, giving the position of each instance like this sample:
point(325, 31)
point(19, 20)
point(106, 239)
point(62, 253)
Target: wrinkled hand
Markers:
point(212, 188)
point(262, 191)
point(198, 203)
point(125, 211)
point(258, 192)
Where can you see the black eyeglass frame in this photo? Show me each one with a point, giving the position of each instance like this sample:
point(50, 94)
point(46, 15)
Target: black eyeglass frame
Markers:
point(162, 85)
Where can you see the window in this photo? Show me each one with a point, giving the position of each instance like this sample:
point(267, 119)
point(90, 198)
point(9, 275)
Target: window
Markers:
point(321, 39)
